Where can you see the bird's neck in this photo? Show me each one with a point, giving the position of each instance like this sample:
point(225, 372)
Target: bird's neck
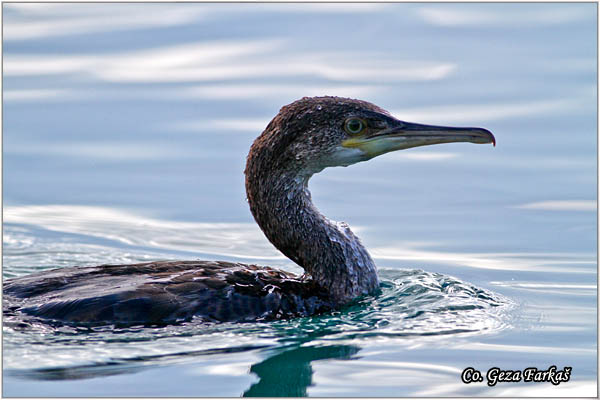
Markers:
point(328, 251)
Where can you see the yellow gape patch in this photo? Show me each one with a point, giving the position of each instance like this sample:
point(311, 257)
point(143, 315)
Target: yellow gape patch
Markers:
point(371, 147)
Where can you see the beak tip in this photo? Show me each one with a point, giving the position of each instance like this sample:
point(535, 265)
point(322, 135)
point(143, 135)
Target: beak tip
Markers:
point(490, 136)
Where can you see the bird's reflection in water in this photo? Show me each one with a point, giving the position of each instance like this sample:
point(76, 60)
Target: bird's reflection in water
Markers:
point(289, 373)
point(77, 372)
point(119, 366)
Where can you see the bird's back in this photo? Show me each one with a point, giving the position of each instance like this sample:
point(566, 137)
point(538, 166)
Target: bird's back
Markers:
point(164, 292)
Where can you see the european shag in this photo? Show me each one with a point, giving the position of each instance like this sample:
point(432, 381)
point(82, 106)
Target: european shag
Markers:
point(305, 137)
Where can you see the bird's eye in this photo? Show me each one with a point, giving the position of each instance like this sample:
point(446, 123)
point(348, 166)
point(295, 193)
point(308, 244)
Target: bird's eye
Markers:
point(354, 126)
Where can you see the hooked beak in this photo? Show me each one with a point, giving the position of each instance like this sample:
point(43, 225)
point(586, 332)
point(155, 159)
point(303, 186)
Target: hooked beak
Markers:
point(406, 135)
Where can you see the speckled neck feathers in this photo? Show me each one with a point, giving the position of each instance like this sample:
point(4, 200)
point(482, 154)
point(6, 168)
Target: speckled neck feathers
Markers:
point(278, 168)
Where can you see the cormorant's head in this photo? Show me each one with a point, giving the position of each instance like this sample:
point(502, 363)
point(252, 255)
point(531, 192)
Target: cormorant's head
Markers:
point(318, 132)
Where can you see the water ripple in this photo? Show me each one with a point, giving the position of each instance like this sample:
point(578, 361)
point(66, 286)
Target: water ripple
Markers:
point(412, 306)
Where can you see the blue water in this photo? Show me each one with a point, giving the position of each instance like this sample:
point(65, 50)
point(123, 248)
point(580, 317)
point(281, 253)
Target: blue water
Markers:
point(125, 131)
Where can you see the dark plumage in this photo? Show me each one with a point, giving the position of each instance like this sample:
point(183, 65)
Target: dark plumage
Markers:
point(305, 137)
point(166, 292)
